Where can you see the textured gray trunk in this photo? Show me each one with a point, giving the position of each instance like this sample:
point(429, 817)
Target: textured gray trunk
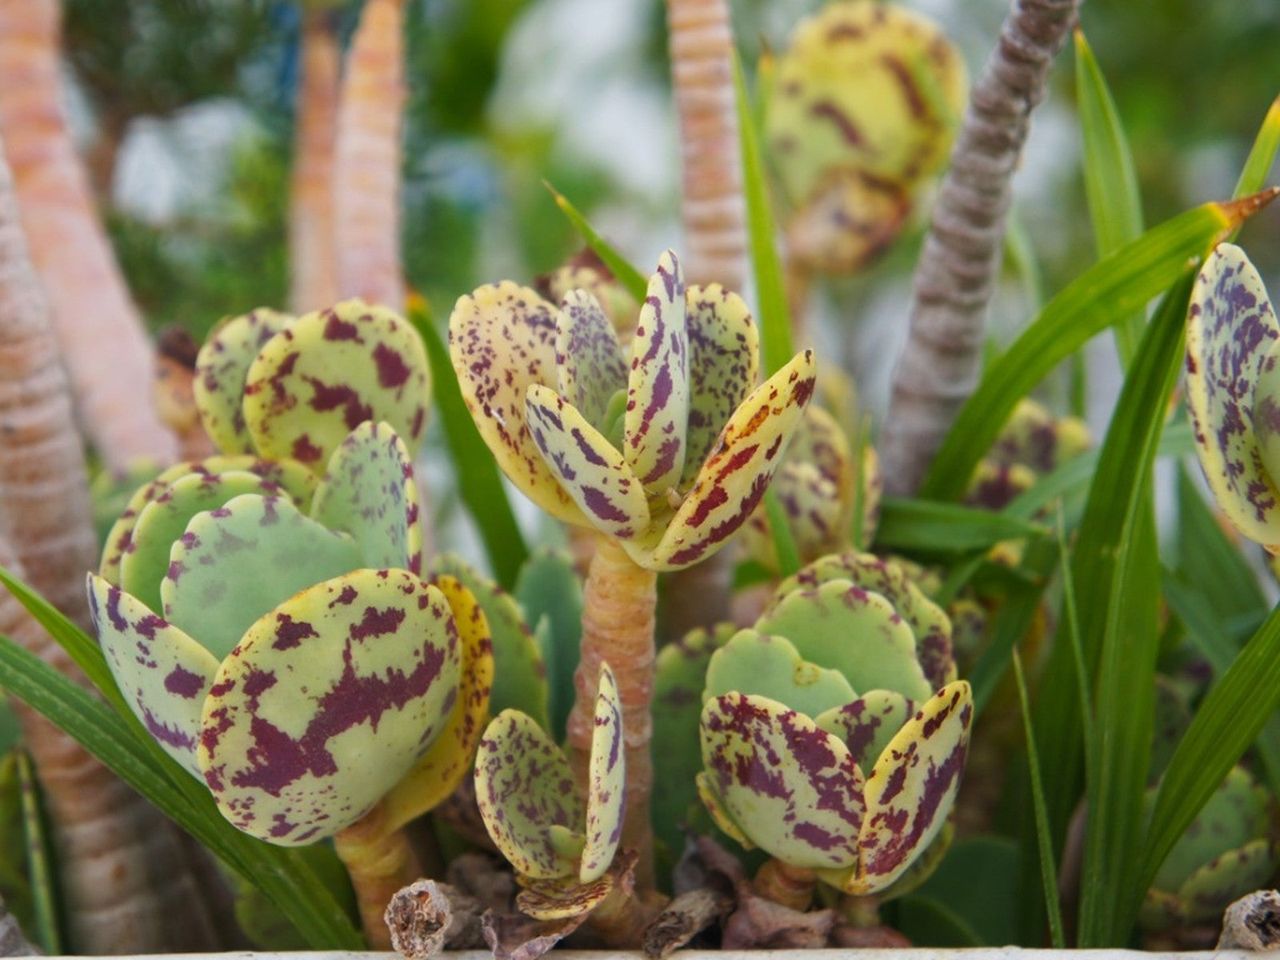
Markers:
point(960, 261)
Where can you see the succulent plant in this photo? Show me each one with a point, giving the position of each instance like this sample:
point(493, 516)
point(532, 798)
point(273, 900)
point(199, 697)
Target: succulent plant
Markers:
point(862, 110)
point(586, 271)
point(1032, 443)
point(1233, 394)
point(294, 388)
point(272, 633)
point(667, 452)
point(1229, 850)
point(820, 486)
point(834, 732)
point(559, 839)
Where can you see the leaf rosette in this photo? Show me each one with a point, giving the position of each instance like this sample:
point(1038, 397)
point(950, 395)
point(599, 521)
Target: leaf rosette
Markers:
point(834, 732)
point(270, 630)
point(667, 449)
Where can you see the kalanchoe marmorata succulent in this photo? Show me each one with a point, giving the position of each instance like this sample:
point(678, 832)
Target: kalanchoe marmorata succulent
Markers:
point(834, 732)
point(1229, 850)
point(1233, 392)
point(862, 110)
point(586, 271)
point(287, 387)
point(667, 451)
point(560, 842)
point(820, 485)
point(271, 631)
point(1034, 442)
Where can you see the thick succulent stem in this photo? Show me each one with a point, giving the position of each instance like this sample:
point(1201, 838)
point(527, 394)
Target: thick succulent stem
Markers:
point(617, 628)
point(712, 206)
point(621, 919)
point(380, 861)
point(782, 883)
point(367, 159)
point(960, 262)
point(312, 240)
point(98, 327)
point(127, 887)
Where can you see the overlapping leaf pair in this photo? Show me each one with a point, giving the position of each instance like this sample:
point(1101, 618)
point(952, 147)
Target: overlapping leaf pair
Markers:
point(834, 733)
point(668, 453)
point(560, 844)
point(862, 112)
point(276, 640)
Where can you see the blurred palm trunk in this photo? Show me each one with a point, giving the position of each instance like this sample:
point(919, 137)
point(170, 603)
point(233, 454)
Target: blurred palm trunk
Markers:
point(98, 327)
point(312, 241)
point(125, 884)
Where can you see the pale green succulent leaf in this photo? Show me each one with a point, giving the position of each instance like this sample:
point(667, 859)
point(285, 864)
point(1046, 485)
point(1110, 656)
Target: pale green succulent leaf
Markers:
point(707, 794)
point(770, 666)
point(606, 773)
point(222, 367)
point(502, 340)
point(369, 492)
point(790, 787)
point(1226, 878)
point(734, 477)
point(912, 788)
point(867, 724)
point(724, 363)
point(657, 415)
point(316, 381)
point(163, 674)
point(590, 368)
point(589, 468)
point(236, 563)
point(1231, 333)
point(328, 701)
point(525, 788)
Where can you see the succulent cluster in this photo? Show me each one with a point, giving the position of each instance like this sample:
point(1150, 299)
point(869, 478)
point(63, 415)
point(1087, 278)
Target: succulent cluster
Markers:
point(668, 450)
point(833, 733)
point(1034, 442)
point(862, 111)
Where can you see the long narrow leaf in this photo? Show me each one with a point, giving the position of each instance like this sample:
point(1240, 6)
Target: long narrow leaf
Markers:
point(1114, 287)
point(39, 859)
point(279, 873)
point(1111, 185)
point(479, 483)
point(623, 271)
point(771, 293)
point(946, 527)
point(1262, 155)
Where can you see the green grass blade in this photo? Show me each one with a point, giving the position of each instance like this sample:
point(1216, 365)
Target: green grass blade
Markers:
point(774, 314)
point(932, 527)
point(44, 898)
point(1117, 285)
point(294, 889)
point(479, 483)
point(1044, 843)
point(1208, 559)
point(784, 544)
point(1116, 586)
point(623, 271)
point(1229, 719)
point(1111, 185)
point(1262, 154)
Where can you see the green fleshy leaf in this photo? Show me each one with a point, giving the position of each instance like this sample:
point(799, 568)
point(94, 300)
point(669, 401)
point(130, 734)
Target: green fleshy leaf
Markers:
point(770, 666)
point(222, 367)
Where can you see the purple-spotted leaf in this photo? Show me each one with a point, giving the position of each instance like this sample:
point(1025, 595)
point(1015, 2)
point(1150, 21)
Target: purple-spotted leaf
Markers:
point(294, 478)
point(162, 673)
point(710, 800)
point(236, 563)
point(769, 666)
point(562, 897)
point(724, 352)
point(847, 221)
point(892, 580)
point(448, 760)
point(853, 630)
point(222, 366)
point(319, 379)
point(867, 723)
point(734, 477)
point(162, 521)
point(525, 788)
point(912, 787)
point(657, 414)
point(501, 341)
point(368, 491)
point(590, 368)
point(794, 789)
point(606, 772)
point(329, 700)
point(586, 465)
point(1232, 334)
